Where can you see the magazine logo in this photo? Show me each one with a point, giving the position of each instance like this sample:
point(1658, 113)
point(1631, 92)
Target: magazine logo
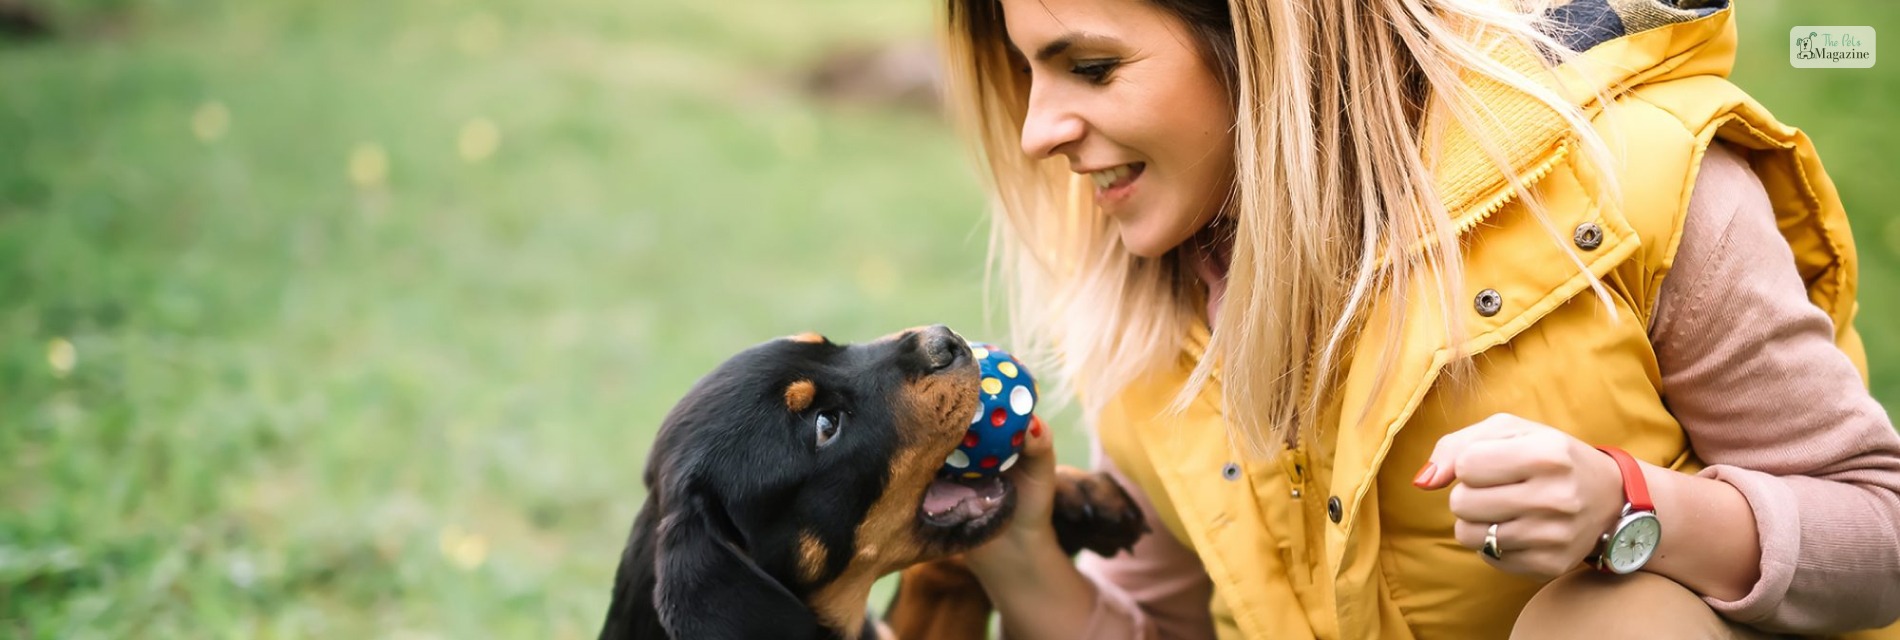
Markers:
point(1831, 47)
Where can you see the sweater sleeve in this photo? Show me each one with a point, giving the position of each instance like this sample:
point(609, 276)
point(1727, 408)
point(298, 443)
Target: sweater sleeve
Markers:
point(1159, 590)
point(1751, 370)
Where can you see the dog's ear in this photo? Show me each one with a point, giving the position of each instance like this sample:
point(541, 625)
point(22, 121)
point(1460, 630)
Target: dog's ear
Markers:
point(708, 587)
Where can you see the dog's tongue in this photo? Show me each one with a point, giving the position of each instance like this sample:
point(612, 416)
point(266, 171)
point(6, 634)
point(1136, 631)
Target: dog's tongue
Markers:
point(972, 497)
point(943, 495)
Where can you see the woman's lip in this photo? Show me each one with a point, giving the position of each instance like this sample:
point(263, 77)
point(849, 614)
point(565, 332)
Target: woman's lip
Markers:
point(1122, 188)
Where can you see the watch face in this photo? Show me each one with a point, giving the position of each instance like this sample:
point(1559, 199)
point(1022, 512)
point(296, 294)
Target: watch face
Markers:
point(1633, 542)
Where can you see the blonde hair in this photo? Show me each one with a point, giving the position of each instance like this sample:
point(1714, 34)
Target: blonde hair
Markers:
point(1333, 178)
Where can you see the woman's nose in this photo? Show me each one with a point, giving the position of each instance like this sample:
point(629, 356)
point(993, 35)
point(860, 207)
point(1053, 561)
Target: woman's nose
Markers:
point(1049, 126)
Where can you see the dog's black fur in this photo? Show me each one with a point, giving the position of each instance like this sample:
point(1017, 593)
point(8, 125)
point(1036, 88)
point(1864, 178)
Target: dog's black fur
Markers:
point(751, 529)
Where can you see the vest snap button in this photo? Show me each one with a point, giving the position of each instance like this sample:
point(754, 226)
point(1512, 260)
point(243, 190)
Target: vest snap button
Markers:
point(1589, 236)
point(1231, 472)
point(1333, 509)
point(1489, 302)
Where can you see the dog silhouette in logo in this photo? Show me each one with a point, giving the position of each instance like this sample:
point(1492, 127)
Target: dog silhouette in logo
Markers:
point(1804, 47)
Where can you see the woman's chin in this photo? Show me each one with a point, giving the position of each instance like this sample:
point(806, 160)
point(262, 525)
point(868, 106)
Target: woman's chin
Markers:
point(1148, 240)
point(1141, 250)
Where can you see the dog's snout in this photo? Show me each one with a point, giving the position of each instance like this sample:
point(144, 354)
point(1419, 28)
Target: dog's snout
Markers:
point(942, 347)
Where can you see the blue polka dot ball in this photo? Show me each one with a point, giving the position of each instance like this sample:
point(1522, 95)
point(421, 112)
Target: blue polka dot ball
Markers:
point(1006, 413)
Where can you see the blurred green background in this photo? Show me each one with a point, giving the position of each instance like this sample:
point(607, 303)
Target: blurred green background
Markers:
point(355, 319)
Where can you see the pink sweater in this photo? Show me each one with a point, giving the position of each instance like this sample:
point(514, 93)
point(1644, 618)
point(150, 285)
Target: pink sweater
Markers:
point(1750, 369)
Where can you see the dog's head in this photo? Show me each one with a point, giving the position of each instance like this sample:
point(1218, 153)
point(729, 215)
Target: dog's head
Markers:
point(799, 471)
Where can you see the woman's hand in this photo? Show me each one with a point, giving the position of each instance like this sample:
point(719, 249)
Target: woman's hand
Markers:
point(1036, 588)
point(1551, 495)
point(1034, 480)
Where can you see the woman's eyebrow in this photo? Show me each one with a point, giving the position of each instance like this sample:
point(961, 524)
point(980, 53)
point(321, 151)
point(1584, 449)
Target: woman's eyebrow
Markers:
point(1061, 44)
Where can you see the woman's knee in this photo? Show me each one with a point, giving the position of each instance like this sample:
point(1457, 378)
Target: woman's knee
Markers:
point(1587, 604)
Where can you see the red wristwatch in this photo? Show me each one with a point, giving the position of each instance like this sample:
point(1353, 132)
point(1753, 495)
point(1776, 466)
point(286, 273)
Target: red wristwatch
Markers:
point(1627, 546)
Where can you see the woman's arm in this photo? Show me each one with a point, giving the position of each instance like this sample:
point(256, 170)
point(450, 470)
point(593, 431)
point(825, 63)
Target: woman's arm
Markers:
point(1799, 448)
point(1796, 525)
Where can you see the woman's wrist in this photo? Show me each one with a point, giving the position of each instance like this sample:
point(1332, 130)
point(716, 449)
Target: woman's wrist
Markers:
point(1011, 557)
point(1035, 587)
point(1709, 540)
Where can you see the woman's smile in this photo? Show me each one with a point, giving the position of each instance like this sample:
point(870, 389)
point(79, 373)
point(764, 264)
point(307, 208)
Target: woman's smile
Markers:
point(1116, 184)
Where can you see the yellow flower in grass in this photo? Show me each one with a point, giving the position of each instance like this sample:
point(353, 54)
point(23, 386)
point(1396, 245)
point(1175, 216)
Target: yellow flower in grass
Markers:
point(478, 140)
point(210, 121)
point(62, 356)
point(369, 165)
point(464, 549)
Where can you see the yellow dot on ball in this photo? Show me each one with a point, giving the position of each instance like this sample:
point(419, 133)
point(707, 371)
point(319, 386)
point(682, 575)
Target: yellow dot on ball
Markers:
point(980, 352)
point(1008, 369)
point(992, 386)
point(972, 474)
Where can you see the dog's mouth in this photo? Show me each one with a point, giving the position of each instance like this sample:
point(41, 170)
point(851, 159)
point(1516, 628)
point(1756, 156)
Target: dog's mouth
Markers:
point(967, 510)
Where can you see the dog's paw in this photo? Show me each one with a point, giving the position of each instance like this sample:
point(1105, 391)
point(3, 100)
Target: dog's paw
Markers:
point(1094, 512)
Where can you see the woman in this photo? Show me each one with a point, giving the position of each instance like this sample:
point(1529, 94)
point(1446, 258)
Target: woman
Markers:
point(1353, 292)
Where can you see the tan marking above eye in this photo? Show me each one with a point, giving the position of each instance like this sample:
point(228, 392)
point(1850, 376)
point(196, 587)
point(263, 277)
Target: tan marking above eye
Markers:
point(812, 555)
point(799, 394)
point(808, 337)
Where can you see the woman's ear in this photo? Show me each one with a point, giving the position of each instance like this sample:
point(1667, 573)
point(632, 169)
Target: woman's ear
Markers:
point(708, 588)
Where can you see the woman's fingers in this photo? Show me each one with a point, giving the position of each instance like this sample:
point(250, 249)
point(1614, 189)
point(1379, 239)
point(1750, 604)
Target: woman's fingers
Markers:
point(1450, 452)
point(1034, 475)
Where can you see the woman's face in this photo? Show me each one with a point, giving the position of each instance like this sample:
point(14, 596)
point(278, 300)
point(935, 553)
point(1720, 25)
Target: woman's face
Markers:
point(1121, 88)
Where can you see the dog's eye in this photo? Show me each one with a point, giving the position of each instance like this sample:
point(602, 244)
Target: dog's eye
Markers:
point(827, 426)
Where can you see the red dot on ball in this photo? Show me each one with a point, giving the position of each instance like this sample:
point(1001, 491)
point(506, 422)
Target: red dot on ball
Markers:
point(1016, 440)
point(989, 462)
point(970, 439)
point(998, 416)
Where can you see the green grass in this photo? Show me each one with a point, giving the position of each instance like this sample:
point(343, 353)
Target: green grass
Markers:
point(415, 403)
point(1850, 115)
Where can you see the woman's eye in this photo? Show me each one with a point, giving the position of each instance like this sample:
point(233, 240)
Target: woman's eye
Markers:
point(827, 425)
point(1096, 71)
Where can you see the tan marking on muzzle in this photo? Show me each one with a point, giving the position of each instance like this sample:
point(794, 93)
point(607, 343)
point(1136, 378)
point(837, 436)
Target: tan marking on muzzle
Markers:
point(935, 414)
point(808, 337)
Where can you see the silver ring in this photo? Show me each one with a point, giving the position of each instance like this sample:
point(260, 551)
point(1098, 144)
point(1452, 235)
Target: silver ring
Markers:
point(1490, 548)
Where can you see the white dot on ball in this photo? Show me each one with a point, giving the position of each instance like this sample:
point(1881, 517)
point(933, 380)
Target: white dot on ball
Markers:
point(979, 415)
point(1010, 462)
point(958, 459)
point(1020, 401)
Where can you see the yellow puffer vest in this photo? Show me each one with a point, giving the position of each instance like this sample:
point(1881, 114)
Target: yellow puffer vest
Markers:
point(1331, 540)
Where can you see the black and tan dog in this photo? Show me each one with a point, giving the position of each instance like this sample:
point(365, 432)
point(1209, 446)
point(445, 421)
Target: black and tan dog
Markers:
point(798, 472)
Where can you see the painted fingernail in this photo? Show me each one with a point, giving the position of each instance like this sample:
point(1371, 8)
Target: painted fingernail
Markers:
point(1035, 427)
point(1425, 474)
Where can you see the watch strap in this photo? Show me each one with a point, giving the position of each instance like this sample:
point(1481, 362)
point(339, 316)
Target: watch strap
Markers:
point(1635, 488)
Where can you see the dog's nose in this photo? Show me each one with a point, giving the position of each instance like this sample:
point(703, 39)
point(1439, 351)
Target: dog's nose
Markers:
point(942, 347)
